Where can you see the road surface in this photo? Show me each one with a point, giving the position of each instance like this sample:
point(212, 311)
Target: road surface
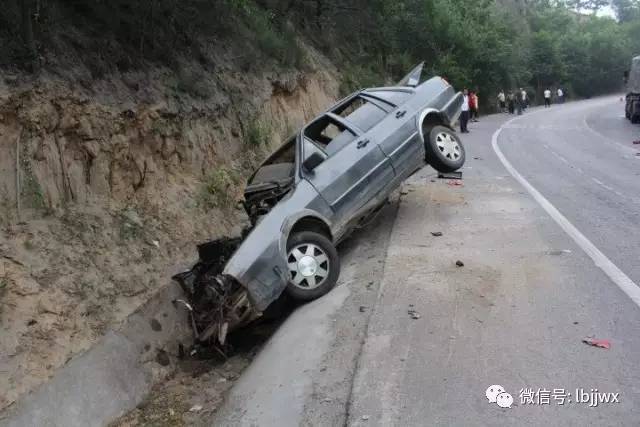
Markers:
point(546, 227)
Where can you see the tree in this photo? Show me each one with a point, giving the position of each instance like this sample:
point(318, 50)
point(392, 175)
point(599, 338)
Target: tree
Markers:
point(626, 10)
point(26, 12)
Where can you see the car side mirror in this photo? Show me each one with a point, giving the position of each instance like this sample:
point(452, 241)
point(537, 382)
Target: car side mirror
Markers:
point(313, 161)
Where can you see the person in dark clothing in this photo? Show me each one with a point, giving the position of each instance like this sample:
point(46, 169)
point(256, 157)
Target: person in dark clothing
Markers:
point(464, 115)
point(511, 102)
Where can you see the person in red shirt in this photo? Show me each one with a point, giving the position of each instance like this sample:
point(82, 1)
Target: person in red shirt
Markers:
point(473, 106)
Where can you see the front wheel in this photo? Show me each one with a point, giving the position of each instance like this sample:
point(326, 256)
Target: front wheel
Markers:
point(314, 265)
point(444, 150)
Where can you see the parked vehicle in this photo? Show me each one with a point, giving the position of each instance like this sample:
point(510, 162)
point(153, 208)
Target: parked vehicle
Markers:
point(632, 106)
point(329, 178)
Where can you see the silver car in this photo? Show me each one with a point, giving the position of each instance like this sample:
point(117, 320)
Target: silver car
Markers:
point(332, 175)
point(325, 181)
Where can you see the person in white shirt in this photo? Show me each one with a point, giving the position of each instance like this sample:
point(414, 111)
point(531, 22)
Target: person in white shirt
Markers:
point(547, 98)
point(560, 96)
point(522, 101)
point(502, 102)
point(464, 115)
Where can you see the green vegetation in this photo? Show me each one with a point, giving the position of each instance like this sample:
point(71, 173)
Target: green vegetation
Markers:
point(31, 193)
point(258, 134)
point(219, 189)
point(483, 44)
point(130, 225)
point(487, 45)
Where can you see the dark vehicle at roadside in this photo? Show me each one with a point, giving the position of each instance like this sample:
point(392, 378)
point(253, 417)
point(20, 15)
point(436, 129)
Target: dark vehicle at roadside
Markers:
point(324, 182)
point(632, 105)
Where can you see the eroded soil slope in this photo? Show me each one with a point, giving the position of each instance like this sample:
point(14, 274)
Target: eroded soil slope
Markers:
point(105, 190)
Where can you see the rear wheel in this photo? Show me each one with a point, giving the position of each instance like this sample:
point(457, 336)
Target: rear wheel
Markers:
point(444, 150)
point(314, 265)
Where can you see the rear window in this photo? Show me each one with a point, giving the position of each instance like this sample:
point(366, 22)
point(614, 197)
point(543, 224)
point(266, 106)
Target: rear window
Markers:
point(362, 113)
point(392, 96)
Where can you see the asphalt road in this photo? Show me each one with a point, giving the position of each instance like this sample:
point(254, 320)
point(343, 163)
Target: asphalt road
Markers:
point(516, 313)
point(411, 339)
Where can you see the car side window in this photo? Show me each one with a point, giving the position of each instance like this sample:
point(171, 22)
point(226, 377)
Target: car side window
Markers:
point(330, 135)
point(362, 113)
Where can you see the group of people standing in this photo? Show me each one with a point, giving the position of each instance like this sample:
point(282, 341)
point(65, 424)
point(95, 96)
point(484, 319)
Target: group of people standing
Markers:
point(518, 101)
point(514, 101)
point(470, 109)
point(547, 97)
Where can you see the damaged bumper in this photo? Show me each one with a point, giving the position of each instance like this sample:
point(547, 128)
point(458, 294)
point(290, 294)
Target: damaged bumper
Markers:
point(217, 303)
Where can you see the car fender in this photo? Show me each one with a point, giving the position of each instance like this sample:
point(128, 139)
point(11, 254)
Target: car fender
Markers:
point(422, 116)
point(260, 262)
point(292, 220)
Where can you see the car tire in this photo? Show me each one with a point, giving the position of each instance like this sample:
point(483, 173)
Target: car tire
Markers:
point(314, 265)
point(444, 150)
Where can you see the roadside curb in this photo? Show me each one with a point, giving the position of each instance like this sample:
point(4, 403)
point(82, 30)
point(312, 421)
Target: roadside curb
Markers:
point(114, 375)
point(281, 386)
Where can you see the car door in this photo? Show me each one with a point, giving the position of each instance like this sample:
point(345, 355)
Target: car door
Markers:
point(397, 134)
point(354, 170)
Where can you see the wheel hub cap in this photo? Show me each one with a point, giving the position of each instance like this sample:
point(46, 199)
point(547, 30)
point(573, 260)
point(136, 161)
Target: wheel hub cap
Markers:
point(448, 146)
point(307, 266)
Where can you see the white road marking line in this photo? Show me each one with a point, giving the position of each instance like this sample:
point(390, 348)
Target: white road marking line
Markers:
point(602, 184)
point(616, 275)
point(562, 159)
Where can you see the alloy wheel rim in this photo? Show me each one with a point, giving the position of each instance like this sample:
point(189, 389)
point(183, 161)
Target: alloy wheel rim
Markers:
point(448, 146)
point(308, 266)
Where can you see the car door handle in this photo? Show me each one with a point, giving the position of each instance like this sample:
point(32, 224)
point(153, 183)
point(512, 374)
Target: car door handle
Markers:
point(400, 114)
point(363, 143)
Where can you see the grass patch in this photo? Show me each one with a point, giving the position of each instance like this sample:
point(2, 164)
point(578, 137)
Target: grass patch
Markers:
point(274, 39)
point(258, 134)
point(356, 77)
point(130, 227)
point(195, 83)
point(31, 193)
point(219, 189)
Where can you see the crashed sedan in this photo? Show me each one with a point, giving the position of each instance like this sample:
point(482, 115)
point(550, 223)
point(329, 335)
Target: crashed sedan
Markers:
point(324, 182)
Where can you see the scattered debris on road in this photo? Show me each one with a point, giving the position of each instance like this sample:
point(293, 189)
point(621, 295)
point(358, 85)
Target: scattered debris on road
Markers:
point(363, 309)
point(600, 343)
point(561, 252)
point(450, 175)
point(459, 263)
point(195, 408)
point(414, 314)
point(455, 183)
point(436, 233)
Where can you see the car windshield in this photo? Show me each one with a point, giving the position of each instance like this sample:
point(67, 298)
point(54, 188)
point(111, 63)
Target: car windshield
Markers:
point(280, 166)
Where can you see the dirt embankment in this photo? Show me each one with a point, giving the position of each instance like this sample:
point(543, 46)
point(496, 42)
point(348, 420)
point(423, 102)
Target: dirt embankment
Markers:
point(114, 187)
